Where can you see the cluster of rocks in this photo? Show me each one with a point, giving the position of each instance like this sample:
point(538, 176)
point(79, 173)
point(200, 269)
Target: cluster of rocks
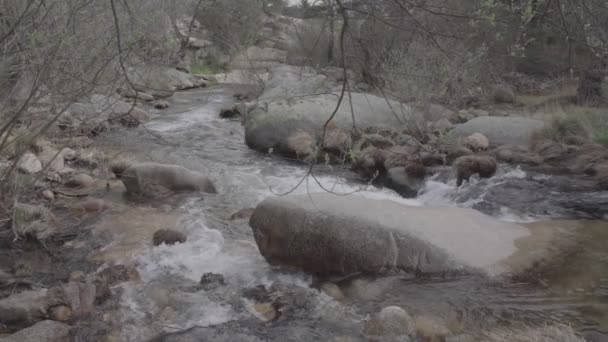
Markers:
point(396, 144)
point(46, 314)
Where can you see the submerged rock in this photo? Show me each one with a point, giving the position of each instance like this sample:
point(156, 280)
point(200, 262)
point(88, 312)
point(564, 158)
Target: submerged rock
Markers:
point(467, 166)
point(332, 290)
point(403, 182)
point(211, 281)
point(161, 105)
point(334, 235)
point(392, 320)
point(168, 237)
point(431, 329)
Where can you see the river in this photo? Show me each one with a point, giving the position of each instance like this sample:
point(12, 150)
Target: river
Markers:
point(168, 302)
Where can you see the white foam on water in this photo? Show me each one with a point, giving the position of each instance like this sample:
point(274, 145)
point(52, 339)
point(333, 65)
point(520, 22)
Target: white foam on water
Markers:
point(183, 120)
point(143, 316)
point(436, 193)
point(513, 173)
point(340, 186)
point(508, 215)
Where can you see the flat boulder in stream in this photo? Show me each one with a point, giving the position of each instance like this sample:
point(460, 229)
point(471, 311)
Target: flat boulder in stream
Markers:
point(273, 123)
point(158, 180)
point(334, 236)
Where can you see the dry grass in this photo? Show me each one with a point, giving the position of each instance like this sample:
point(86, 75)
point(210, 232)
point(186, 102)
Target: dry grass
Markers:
point(567, 121)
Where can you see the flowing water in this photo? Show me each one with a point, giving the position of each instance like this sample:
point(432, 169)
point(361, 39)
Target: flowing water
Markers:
point(168, 300)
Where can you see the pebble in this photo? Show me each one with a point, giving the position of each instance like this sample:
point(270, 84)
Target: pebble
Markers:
point(60, 313)
point(48, 194)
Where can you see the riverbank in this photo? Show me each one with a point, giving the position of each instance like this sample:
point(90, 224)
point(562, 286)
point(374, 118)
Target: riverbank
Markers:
point(163, 294)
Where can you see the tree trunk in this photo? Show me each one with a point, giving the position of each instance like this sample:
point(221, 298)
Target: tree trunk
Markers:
point(332, 32)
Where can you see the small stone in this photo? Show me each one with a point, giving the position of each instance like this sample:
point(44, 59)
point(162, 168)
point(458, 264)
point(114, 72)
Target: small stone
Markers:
point(68, 154)
point(78, 276)
point(457, 152)
point(161, 105)
point(168, 314)
point(48, 194)
point(211, 281)
point(477, 142)
point(61, 313)
point(333, 291)
point(29, 163)
point(242, 214)
point(81, 297)
point(441, 125)
point(431, 329)
point(80, 181)
point(67, 171)
point(229, 112)
point(53, 177)
point(145, 96)
point(112, 276)
point(392, 320)
point(479, 112)
point(502, 93)
point(168, 236)
point(51, 159)
point(266, 312)
point(464, 116)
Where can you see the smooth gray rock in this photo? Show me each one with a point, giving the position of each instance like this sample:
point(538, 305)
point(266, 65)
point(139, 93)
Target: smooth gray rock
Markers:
point(99, 111)
point(24, 309)
point(45, 331)
point(392, 320)
point(501, 130)
point(272, 123)
point(158, 180)
point(256, 57)
point(287, 81)
point(336, 235)
point(29, 163)
point(161, 81)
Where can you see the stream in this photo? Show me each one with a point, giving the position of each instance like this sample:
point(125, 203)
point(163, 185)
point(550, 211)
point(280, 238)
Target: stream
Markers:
point(168, 304)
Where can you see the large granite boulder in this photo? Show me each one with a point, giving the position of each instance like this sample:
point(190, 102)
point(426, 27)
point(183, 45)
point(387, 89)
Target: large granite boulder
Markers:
point(501, 130)
point(162, 81)
point(335, 236)
point(287, 81)
point(256, 57)
point(272, 124)
point(96, 113)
